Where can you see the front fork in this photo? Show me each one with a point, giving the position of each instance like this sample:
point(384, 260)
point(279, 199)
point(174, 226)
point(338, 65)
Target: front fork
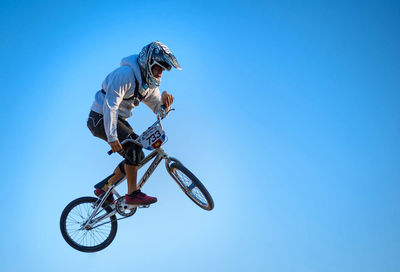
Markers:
point(168, 161)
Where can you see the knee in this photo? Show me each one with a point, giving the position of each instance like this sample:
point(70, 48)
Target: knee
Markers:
point(133, 155)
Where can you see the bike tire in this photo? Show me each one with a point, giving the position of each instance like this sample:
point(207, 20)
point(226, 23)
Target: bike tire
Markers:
point(75, 215)
point(191, 185)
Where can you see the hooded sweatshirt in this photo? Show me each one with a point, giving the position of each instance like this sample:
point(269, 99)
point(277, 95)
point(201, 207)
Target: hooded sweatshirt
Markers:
point(120, 84)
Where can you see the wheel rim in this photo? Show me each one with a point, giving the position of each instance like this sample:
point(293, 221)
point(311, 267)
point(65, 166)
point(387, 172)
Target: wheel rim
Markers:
point(92, 237)
point(191, 188)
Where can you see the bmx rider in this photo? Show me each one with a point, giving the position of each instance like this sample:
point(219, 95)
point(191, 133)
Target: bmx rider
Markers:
point(136, 80)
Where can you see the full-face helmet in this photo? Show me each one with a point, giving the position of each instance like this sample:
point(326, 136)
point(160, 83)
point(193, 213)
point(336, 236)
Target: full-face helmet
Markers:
point(152, 54)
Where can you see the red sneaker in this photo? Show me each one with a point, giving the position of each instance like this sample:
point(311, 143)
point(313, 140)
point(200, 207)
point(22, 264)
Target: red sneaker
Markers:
point(100, 193)
point(139, 198)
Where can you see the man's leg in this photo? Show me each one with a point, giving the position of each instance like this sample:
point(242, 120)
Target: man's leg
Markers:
point(131, 176)
point(118, 173)
point(103, 186)
point(135, 196)
point(133, 154)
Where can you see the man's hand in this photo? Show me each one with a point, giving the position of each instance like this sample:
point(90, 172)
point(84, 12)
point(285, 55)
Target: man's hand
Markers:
point(167, 99)
point(115, 146)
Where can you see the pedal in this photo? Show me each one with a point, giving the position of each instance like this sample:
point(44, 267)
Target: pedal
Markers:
point(130, 206)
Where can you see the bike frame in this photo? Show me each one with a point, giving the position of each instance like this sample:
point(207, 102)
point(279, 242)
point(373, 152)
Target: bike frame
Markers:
point(159, 154)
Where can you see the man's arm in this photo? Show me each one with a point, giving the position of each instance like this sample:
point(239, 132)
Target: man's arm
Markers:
point(167, 100)
point(155, 100)
point(118, 83)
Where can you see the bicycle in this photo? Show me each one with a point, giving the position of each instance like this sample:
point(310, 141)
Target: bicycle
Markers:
point(89, 224)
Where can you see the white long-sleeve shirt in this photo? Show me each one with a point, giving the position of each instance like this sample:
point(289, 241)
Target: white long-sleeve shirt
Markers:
point(120, 84)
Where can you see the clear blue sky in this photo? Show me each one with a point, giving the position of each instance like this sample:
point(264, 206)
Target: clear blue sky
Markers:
point(288, 112)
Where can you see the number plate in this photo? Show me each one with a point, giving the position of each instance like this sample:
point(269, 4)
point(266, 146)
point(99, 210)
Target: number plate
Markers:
point(153, 137)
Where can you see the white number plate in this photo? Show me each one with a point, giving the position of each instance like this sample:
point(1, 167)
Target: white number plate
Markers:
point(152, 138)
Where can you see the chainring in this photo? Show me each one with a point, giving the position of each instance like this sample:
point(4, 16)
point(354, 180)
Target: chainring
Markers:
point(122, 209)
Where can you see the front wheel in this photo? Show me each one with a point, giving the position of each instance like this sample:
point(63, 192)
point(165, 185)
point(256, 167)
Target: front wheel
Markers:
point(191, 185)
point(88, 237)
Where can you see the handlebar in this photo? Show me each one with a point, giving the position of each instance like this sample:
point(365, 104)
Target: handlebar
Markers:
point(161, 114)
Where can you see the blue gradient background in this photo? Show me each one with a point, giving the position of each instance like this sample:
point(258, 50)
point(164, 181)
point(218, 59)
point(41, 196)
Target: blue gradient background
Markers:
point(288, 112)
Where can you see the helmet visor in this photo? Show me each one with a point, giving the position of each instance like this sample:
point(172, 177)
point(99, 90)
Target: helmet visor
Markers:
point(162, 64)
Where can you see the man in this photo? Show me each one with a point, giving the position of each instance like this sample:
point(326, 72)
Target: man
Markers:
point(136, 80)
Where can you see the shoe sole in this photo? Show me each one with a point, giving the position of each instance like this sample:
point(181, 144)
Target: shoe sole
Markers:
point(139, 204)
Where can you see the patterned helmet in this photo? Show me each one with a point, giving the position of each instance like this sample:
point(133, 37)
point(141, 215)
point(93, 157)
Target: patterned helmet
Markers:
point(152, 54)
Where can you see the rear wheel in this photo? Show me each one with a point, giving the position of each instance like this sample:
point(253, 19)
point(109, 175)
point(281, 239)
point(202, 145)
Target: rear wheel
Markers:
point(95, 236)
point(191, 185)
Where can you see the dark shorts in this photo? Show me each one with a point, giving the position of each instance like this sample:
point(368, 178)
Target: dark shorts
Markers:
point(132, 153)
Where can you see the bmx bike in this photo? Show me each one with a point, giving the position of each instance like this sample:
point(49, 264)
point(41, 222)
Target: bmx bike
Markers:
point(89, 224)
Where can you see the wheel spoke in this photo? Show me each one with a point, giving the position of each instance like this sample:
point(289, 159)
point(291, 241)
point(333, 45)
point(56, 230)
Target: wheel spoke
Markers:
point(192, 190)
point(86, 238)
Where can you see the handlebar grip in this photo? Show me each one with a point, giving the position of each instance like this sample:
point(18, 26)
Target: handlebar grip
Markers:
point(109, 152)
